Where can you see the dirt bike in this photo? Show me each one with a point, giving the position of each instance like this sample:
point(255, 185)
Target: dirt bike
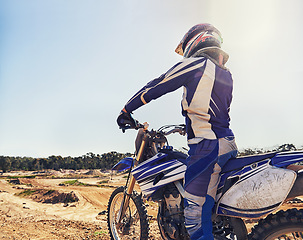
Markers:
point(251, 187)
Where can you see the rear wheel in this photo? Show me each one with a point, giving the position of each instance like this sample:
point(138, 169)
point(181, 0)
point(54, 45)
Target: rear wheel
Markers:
point(134, 223)
point(284, 225)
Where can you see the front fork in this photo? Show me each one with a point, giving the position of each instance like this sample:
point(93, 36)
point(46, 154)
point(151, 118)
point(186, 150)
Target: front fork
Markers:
point(131, 184)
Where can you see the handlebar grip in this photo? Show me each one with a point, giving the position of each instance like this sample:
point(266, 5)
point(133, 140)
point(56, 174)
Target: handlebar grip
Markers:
point(129, 125)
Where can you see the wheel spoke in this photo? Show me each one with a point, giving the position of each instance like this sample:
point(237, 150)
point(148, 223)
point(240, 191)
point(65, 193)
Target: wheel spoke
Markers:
point(131, 225)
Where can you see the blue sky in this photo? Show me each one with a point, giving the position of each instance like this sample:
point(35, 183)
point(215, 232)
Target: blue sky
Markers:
point(68, 67)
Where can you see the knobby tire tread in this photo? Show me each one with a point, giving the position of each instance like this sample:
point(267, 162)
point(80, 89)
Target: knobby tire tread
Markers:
point(144, 231)
point(276, 222)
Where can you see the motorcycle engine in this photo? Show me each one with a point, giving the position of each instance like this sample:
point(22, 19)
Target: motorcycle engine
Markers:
point(171, 214)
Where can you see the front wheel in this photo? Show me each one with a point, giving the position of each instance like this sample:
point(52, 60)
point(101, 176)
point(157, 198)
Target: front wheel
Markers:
point(287, 225)
point(134, 223)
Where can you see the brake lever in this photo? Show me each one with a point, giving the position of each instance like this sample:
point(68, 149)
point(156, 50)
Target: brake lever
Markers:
point(124, 128)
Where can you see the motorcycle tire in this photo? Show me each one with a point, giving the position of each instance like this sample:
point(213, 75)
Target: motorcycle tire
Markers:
point(134, 224)
point(282, 225)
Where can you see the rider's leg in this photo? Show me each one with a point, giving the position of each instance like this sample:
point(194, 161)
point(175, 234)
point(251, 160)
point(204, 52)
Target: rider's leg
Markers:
point(227, 149)
point(198, 204)
point(201, 182)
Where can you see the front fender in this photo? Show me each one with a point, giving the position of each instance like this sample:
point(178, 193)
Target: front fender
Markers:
point(124, 164)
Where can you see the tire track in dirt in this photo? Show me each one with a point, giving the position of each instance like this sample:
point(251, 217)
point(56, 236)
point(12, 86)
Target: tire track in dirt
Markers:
point(23, 218)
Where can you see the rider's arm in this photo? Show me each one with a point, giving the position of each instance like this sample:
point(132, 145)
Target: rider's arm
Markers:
point(173, 79)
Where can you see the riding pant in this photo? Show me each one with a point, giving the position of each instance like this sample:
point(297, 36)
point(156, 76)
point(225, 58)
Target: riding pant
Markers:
point(202, 177)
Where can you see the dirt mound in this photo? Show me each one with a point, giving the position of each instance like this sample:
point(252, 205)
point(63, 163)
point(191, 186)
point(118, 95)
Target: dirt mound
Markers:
point(15, 181)
point(49, 196)
point(94, 172)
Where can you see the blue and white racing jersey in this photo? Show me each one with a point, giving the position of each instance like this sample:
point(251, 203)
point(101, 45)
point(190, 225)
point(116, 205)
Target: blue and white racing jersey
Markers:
point(206, 99)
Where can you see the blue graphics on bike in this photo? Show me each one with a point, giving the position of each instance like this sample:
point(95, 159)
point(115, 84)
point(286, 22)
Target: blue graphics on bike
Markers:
point(284, 159)
point(240, 162)
point(250, 186)
point(124, 164)
point(165, 167)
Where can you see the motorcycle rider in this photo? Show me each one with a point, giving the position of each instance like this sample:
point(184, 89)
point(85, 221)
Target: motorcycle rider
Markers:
point(206, 103)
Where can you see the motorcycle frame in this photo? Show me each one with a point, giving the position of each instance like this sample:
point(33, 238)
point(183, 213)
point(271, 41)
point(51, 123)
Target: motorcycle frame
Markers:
point(131, 181)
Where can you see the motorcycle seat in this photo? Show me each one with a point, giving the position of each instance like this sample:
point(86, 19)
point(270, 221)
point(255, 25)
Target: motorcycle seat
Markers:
point(234, 164)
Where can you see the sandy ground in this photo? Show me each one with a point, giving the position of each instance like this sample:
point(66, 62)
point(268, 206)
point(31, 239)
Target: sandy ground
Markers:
point(24, 218)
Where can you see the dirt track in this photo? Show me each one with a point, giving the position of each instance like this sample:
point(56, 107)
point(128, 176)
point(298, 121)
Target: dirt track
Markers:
point(24, 218)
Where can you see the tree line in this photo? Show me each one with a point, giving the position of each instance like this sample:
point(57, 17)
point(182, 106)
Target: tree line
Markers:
point(282, 148)
point(90, 160)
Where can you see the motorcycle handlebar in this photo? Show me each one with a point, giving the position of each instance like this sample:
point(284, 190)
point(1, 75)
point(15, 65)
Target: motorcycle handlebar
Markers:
point(129, 126)
point(176, 128)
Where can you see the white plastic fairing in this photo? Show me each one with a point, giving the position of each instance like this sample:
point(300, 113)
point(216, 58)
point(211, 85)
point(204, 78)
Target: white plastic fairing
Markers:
point(258, 191)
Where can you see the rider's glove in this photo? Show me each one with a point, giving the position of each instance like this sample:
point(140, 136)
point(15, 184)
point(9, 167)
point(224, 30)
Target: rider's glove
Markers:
point(126, 121)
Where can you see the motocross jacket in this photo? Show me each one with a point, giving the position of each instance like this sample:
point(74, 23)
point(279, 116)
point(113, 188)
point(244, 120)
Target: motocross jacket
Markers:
point(206, 98)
